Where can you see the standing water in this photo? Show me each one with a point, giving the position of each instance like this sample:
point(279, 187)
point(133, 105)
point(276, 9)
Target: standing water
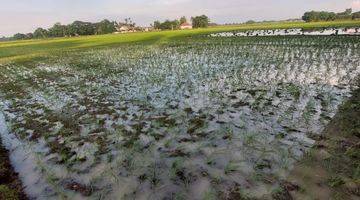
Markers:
point(186, 120)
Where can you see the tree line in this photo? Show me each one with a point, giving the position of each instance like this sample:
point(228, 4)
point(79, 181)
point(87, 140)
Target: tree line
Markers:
point(314, 16)
point(105, 26)
point(78, 28)
point(74, 29)
point(197, 22)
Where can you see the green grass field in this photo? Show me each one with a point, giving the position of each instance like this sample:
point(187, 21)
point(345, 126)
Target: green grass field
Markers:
point(26, 50)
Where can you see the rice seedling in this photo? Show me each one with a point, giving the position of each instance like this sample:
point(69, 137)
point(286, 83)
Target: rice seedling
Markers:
point(230, 167)
point(153, 120)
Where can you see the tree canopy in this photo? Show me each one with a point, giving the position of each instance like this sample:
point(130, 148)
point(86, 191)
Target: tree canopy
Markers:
point(105, 27)
point(76, 28)
point(41, 33)
point(19, 36)
point(200, 21)
point(167, 25)
point(314, 16)
point(183, 20)
point(356, 15)
point(197, 22)
point(170, 25)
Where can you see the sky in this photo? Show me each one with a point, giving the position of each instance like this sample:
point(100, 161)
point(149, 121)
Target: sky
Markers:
point(26, 15)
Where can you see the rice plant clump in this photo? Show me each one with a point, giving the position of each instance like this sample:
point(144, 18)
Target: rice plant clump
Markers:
point(175, 121)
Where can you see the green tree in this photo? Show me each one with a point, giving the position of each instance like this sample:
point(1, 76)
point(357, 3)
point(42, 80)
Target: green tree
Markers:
point(129, 23)
point(167, 25)
point(19, 36)
point(105, 27)
point(183, 20)
point(40, 33)
point(170, 25)
point(3, 38)
point(29, 35)
point(356, 15)
point(157, 25)
point(58, 30)
point(344, 15)
point(250, 22)
point(200, 21)
point(326, 16)
point(348, 11)
point(81, 28)
point(313, 16)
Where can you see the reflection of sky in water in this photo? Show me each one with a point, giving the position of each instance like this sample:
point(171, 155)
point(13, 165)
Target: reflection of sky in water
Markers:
point(289, 32)
point(153, 123)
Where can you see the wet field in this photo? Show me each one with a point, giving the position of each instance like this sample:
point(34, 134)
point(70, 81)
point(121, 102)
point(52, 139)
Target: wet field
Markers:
point(205, 119)
point(289, 32)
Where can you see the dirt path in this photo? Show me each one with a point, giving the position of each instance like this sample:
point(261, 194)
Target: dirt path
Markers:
point(10, 184)
point(331, 170)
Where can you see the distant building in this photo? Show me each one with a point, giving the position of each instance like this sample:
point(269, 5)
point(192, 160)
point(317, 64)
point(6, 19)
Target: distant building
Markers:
point(125, 28)
point(186, 25)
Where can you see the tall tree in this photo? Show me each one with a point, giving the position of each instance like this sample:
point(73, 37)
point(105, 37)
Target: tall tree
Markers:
point(356, 15)
point(183, 20)
point(344, 15)
point(130, 23)
point(200, 21)
point(348, 11)
point(105, 27)
point(157, 25)
point(57, 30)
point(81, 28)
point(40, 33)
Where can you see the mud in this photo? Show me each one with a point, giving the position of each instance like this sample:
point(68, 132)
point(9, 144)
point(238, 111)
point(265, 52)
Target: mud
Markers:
point(10, 183)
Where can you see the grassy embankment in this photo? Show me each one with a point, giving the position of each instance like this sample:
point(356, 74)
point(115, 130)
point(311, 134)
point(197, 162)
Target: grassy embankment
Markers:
point(27, 50)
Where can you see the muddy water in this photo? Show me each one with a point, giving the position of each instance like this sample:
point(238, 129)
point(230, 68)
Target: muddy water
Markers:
point(23, 157)
point(290, 32)
point(179, 121)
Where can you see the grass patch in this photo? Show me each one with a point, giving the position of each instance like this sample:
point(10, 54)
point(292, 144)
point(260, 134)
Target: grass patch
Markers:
point(7, 193)
point(27, 50)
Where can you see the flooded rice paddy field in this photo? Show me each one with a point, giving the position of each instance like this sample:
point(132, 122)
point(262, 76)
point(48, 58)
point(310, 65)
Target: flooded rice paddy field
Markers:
point(214, 118)
point(289, 32)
